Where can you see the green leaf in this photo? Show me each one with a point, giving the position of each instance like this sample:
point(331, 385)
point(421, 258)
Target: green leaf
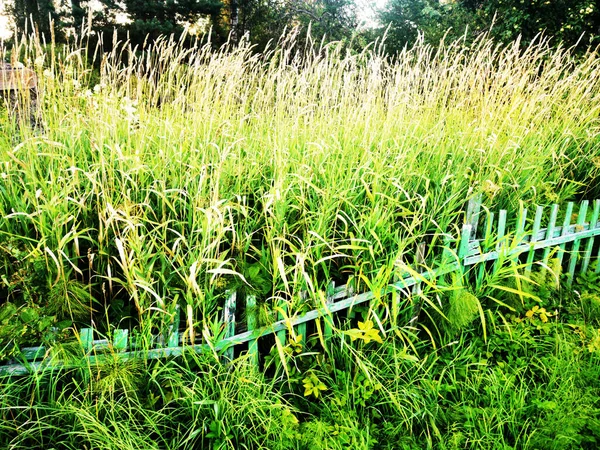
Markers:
point(7, 311)
point(29, 315)
point(45, 323)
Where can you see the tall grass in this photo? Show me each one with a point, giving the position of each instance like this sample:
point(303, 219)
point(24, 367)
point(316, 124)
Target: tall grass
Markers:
point(175, 174)
point(168, 176)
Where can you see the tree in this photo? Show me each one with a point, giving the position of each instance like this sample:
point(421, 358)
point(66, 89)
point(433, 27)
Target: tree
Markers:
point(266, 20)
point(260, 20)
point(34, 15)
point(431, 19)
point(152, 18)
point(334, 20)
point(563, 20)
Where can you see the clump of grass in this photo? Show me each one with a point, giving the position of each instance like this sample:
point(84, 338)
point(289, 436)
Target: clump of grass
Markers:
point(193, 402)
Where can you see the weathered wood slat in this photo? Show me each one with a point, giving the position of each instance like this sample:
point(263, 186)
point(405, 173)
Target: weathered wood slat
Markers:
point(120, 338)
point(173, 338)
point(549, 234)
point(537, 223)
point(86, 337)
point(485, 245)
point(501, 240)
point(473, 212)
point(328, 329)
point(521, 221)
point(251, 320)
point(463, 248)
point(564, 232)
point(229, 320)
point(576, 243)
point(587, 254)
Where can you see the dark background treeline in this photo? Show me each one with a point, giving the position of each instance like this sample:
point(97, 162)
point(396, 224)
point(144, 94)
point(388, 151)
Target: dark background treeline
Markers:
point(568, 22)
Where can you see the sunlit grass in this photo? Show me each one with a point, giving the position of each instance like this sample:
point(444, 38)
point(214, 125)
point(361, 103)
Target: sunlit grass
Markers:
point(177, 172)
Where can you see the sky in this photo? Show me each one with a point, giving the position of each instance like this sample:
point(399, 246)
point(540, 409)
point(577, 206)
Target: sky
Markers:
point(366, 10)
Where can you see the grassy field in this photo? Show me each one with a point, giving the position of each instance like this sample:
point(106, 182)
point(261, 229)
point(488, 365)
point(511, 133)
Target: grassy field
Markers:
point(167, 176)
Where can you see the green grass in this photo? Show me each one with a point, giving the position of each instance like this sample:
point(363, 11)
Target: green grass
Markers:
point(172, 175)
point(532, 384)
point(181, 170)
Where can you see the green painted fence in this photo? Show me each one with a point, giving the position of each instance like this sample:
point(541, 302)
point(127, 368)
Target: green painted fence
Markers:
point(484, 244)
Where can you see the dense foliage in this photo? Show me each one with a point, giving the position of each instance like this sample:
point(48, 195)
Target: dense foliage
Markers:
point(401, 22)
point(568, 22)
point(176, 174)
point(533, 384)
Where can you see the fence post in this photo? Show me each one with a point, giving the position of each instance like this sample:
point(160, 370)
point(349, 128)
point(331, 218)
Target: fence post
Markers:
point(328, 330)
point(229, 320)
point(500, 244)
point(251, 320)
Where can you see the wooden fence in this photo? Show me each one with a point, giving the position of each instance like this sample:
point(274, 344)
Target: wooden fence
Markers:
point(484, 241)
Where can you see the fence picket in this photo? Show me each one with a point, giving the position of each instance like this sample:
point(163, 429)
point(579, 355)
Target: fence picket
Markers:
point(575, 249)
point(537, 222)
point(301, 329)
point(86, 337)
point(521, 221)
point(549, 235)
point(328, 329)
point(251, 320)
point(485, 244)
point(120, 338)
point(473, 212)
point(229, 320)
point(173, 338)
point(587, 254)
point(281, 316)
point(465, 236)
point(565, 231)
point(500, 240)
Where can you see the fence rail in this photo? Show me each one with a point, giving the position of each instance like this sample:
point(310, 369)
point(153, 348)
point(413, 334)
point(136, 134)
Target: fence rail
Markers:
point(469, 251)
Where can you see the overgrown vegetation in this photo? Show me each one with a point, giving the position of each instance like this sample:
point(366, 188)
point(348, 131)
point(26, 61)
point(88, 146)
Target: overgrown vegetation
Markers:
point(534, 383)
point(176, 175)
